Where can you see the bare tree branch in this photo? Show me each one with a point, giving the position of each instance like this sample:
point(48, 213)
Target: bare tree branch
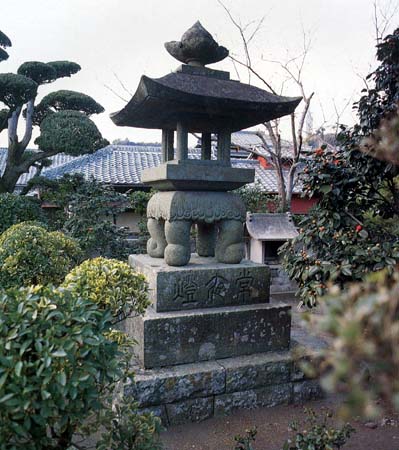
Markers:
point(115, 93)
point(382, 17)
point(122, 84)
point(254, 72)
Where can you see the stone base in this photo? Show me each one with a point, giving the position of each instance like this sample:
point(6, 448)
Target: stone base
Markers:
point(194, 392)
point(203, 283)
point(180, 337)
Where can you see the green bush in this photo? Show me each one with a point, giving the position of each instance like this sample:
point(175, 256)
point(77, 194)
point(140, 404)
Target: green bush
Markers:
point(60, 361)
point(125, 429)
point(244, 442)
point(18, 208)
point(91, 211)
point(138, 201)
point(110, 283)
point(256, 200)
point(29, 254)
point(54, 362)
point(318, 434)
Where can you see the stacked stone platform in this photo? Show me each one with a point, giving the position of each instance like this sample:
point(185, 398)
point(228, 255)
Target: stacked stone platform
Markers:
point(212, 342)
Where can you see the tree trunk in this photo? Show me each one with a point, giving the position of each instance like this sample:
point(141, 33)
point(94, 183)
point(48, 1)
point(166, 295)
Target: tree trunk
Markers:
point(9, 179)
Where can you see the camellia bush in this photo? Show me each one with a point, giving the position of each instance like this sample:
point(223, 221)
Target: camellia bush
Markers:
point(111, 284)
point(355, 226)
point(18, 208)
point(29, 254)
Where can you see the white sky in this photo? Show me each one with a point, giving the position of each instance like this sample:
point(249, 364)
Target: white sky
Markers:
point(126, 37)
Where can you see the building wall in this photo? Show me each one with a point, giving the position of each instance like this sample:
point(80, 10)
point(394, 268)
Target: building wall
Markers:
point(301, 205)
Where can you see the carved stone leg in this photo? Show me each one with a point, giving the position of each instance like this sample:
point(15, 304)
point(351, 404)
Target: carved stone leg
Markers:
point(177, 252)
point(230, 244)
point(157, 243)
point(206, 239)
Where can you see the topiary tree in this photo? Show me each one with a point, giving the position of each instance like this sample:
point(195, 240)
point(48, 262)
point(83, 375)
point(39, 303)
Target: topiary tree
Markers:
point(110, 283)
point(354, 228)
point(4, 43)
point(15, 209)
point(63, 117)
point(30, 255)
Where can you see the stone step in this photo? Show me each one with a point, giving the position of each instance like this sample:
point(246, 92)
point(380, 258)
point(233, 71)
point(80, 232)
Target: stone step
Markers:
point(203, 283)
point(193, 392)
point(172, 338)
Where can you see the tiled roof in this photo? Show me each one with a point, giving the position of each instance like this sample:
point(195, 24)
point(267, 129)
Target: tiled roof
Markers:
point(123, 164)
point(250, 141)
point(57, 160)
point(271, 227)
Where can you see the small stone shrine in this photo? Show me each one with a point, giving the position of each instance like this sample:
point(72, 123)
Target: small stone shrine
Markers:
point(211, 342)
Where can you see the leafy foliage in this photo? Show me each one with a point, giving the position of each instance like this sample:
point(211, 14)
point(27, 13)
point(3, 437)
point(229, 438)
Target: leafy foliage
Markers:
point(91, 210)
point(64, 68)
point(37, 71)
point(71, 100)
point(4, 40)
point(384, 143)
point(86, 211)
point(15, 209)
point(354, 228)
point(138, 201)
point(110, 283)
point(128, 430)
point(55, 361)
point(69, 132)
point(29, 254)
point(4, 43)
point(363, 362)
point(15, 90)
point(245, 442)
point(256, 200)
point(320, 436)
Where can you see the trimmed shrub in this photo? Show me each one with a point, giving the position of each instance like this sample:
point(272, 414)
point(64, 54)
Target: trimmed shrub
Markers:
point(29, 254)
point(18, 208)
point(55, 364)
point(111, 284)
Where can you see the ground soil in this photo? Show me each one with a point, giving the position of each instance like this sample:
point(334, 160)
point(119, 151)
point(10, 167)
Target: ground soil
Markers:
point(272, 425)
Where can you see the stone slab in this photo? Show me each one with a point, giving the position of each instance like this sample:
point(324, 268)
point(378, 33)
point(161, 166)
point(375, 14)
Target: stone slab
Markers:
point(195, 410)
point(196, 175)
point(172, 338)
point(305, 352)
point(254, 398)
point(203, 283)
point(250, 372)
point(172, 384)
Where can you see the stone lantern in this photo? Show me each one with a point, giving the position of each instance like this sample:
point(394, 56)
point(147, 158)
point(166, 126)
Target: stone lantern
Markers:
point(196, 99)
point(211, 341)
